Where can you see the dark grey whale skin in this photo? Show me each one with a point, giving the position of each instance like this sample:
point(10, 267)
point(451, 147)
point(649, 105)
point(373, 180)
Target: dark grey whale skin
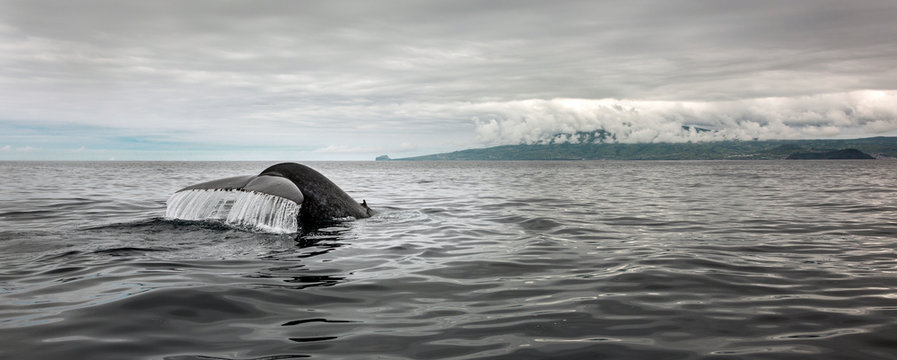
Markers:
point(322, 200)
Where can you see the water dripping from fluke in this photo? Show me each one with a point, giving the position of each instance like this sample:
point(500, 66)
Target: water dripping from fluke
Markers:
point(249, 209)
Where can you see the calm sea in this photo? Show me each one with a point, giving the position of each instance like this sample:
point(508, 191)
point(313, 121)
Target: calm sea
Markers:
point(464, 260)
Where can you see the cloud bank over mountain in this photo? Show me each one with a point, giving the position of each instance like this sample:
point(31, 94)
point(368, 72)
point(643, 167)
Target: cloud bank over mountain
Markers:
point(842, 115)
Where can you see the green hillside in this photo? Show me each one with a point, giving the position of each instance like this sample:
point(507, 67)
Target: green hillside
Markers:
point(879, 147)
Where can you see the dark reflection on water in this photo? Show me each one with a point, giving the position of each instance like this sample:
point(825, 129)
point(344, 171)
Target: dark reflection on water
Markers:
point(666, 260)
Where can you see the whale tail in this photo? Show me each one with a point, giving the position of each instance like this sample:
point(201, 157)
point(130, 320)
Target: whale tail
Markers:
point(282, 199)
point(236, 207)
point(268, 203)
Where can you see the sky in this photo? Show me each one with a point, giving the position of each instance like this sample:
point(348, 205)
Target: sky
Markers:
point(351, 80)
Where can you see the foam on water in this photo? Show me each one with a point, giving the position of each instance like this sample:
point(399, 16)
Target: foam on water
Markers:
point(240, 208)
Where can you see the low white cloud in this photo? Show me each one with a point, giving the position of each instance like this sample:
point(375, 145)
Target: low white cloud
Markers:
point(851, 114)
point(19, 149)
point(340, 149)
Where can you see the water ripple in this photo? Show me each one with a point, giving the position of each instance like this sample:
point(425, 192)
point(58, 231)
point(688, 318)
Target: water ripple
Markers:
point(671, 260)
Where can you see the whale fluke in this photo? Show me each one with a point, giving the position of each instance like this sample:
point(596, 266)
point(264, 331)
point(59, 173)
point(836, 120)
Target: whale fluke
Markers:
point(271, 185)
point(317, 199)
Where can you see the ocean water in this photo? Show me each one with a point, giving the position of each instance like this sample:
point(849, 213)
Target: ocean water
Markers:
point(463, 260)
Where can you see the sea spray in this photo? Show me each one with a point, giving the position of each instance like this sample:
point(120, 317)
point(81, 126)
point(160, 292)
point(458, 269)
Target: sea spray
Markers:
point(240, 208)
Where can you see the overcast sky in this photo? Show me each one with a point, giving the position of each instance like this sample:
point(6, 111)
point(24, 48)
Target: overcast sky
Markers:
point(323, 80)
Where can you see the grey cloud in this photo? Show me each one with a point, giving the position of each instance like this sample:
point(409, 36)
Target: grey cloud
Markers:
point(517, 50)
point(360, 69)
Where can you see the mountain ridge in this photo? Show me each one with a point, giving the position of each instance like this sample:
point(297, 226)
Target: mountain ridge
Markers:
point(878, 147)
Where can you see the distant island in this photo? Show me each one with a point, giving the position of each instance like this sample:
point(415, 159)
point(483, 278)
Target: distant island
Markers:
point(600, 149)
point(833, 155)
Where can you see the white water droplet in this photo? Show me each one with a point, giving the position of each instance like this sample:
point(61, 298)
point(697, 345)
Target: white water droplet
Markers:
point(240, 208)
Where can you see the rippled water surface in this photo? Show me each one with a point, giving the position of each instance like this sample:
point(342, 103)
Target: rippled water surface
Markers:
point(517, 260)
